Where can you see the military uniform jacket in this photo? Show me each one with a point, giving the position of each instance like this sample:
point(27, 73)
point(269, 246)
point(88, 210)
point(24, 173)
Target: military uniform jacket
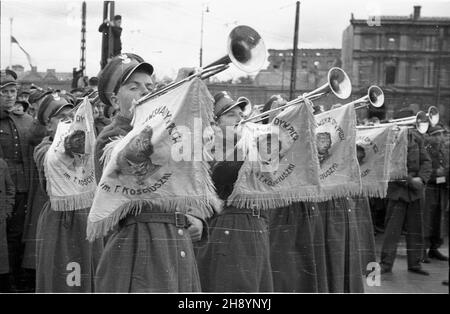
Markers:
point(419, 165)
point(15, 132)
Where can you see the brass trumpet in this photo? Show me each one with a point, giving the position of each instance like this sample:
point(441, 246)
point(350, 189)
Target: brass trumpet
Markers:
point(374, 97)
point(245, 49)
point(421, 121)
point(338, 83)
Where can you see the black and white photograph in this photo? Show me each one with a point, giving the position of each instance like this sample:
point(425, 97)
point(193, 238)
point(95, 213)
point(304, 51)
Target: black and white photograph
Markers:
point(131, 159)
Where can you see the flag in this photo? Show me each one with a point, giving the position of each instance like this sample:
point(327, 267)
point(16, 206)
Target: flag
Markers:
point(374, 151)
point(69, 172)
point(284, 167)
point(398, 166)
point(159, 163)
point(336, 147)
point(14, 41)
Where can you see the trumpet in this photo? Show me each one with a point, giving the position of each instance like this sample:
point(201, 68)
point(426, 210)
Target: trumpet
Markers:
point(374, 97)
point(421, 120)
point(338, 83)
point(245, 49)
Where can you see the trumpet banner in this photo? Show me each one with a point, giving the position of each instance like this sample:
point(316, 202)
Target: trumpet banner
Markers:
point(339, 173)
point(374, 150)
point(398, 164)
point(70, 174)
point(281, 164)
point(159, 163)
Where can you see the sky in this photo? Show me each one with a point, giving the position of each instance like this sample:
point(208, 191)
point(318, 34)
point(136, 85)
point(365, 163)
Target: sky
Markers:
point(167, 33)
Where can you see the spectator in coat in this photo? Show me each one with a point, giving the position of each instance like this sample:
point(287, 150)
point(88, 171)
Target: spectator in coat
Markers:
point(404, 205)
point(116, 31)
point(436, 193)
point(7, 192)
point(15, 132)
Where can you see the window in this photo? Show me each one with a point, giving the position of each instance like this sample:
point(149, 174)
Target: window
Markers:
point(368, 42)
point(316, 64)
point(365, 72)
point(417, 75)
point(317, 54)
point(417, 43)
point(392, 42)
point(304, 64)
point(390, 74)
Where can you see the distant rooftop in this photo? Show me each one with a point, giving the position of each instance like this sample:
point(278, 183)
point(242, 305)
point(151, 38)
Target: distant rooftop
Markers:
point(33, 75)
point(414, 18)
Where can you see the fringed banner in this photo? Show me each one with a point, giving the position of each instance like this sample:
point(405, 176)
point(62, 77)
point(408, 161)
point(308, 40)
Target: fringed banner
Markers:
point(398, 167)
point(335, 139)
point(159, 163)
point(374, 149)
point(288, 172)
point(69, 162)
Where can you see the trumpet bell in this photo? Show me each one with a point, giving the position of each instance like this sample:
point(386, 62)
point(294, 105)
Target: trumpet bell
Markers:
point(376, 96)
point(422, 122)
point(246, 49)
point(339, 83)
point(433, 115)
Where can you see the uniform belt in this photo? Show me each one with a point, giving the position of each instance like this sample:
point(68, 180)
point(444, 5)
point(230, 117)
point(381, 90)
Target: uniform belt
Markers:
point(255, 212)
point(180, 220)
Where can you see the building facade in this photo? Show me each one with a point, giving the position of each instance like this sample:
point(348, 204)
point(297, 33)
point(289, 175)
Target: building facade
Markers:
point(312, 68)
point(50, 78)
point(407, 56)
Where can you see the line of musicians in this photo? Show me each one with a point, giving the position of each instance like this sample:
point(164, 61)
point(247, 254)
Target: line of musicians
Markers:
point(304, 247)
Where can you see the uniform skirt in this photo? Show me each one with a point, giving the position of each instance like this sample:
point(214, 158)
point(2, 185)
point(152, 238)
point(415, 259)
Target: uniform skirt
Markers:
point(340, 231)
point(236, 258)
point(66, 261)
point(36, 201)
point(297, 249)
point(365, 229)
point(148, 257)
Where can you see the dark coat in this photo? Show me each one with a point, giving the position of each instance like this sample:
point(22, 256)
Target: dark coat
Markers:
point(7, 192)
point(143, 256)
point(37, 197)
point(419, 165)
point(100, 123)
point(20, 172)
point(439, 154)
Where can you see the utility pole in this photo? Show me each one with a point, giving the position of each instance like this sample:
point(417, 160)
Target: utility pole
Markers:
point(10, 42)
point(111, 37)
point(107, 41)
point(294, 53)
point(83, 39)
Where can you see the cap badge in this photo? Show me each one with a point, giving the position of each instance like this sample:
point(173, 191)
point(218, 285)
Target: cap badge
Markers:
point(125, 59)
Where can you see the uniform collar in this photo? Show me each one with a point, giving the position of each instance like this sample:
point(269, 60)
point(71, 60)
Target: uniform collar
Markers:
point(123, 123)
